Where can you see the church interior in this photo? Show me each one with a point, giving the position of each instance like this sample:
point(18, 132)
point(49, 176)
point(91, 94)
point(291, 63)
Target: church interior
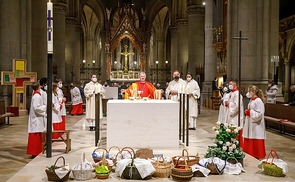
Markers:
point(252, 41)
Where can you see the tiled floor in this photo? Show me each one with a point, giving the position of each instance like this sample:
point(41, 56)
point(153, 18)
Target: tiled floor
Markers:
point(16, 166)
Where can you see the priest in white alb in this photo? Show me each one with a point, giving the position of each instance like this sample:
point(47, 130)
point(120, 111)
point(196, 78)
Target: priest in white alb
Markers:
point(90, 89)
point(177, 85)
point(193, 89)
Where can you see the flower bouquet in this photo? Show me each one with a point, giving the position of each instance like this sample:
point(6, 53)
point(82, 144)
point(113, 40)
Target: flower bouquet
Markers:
point(226, 144)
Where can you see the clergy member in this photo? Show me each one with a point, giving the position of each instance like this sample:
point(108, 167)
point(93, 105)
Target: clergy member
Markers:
point(176, 86)
point(90, 89)
point(43, 90)
point(56, 112)
point(77, 107)
point(222, 116)
point(37, 122)
point(193, 89)
point(141, 88)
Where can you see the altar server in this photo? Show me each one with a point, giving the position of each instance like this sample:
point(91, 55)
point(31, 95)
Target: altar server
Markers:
point(56, 112)
point(271, 92)
point(43, 90)
point(62, 101)
point(233, 106)
point(36, 122)
point(193, 89)
point(254, 126)
point(222, 109)
point(77, 107)
point(90, 89)
point(175, 86)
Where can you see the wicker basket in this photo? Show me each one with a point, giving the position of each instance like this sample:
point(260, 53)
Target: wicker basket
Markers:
point(51, 173)
point(97, 158)
point(269, 168)
point(163, 169)
point(80, 172)
point(102, 176)
point(191, 160)
point(181, 172)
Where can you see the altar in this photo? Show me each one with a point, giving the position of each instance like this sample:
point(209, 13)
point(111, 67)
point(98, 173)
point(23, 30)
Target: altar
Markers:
point(142, 124)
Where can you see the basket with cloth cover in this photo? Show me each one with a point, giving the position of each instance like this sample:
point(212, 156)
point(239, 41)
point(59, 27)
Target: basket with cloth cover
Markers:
point(214, 164)
point(191, 160)
point(181, 172)
point(163, 168)
point(58, 173)
point(98, 153)
point(273, 165)
point(233, 168)
point(102, 171)
point(83, 170)
point(134, 168)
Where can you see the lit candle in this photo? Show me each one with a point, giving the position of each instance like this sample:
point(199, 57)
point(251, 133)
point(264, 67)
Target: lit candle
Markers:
point(97, 89)
point(187, 89)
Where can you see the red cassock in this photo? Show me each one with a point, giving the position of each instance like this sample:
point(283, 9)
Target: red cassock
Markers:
point(77, 109)
point(34, 144)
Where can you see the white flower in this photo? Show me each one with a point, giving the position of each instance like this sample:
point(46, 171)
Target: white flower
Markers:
point(226, 124)
point(227, 130)
point(234, 146)
point(227, 143)
point(218, 123)
point(239, 128)
point(230, 149)
point(237, 142)
point(236, 130)
point(224, 148)
point(214, 145)
point(220, 142)
point(217, 132)
point(214, 128)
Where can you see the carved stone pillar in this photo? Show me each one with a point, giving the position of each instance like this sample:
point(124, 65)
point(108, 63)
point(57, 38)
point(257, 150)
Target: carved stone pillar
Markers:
point(59, 38)
point(287, 79)
point(182, 45)
point(196, 33)
point(143, 62)
point(108, 65)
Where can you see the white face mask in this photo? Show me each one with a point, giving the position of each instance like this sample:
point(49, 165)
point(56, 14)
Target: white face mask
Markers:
point(188, 79)
point(269, 85)
point(45, 87)
point(94, 79)
point(60, 85)
point(225, 89)
point(249, 95)
point(231, 87)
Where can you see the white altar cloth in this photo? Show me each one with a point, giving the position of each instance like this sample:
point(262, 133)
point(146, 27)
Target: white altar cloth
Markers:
point(142, 124)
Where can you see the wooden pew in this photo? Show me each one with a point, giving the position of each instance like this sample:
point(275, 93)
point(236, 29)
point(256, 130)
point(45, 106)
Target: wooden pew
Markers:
point(4, 114)
point(64, 136)
point(276, 113)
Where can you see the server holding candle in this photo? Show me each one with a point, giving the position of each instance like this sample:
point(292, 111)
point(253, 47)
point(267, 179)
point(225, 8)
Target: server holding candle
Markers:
point(175, 86)
point(92, 88)
point(192, 88)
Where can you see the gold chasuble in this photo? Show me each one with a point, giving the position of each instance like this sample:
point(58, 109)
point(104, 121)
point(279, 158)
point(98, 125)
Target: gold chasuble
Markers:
point(145, 89)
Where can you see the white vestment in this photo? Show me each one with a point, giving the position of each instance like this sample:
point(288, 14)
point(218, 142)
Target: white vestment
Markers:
point(222, 109)
point(193, 87)
point(76, 96)
point(175, 85)
point(89, 91)
point(44, 96)
point(233, 109)
point(254, 126)
point(271, 94)
point(56, 112)
point(37, 117)
point(60, 95)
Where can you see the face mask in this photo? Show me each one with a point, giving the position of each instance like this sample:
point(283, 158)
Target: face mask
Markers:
point(176, 77)
point(225, 89)
point(45, 87)
point(60, 85)
point(94, 79)
point(269, 85)
point(249, 95)
point(231, 87)
point(188, 79)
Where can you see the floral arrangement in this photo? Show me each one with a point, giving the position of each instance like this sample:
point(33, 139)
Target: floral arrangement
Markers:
point(226, 143)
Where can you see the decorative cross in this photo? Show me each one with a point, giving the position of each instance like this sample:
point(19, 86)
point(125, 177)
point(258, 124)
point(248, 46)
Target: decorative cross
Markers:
point(49, 28)
point(18, 78)
point(126, 54)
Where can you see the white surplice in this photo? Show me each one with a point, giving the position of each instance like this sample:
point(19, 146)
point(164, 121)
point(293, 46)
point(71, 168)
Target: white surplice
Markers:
point(233, 109)
point(271, 94)
point(76, 96)
point(222, 109)
point(175, 85)
point(60, 95)
point(37, 116)
point(56, 112)
point(192, 86)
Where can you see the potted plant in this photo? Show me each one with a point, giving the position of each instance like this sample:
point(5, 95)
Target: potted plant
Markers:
point(226, 144)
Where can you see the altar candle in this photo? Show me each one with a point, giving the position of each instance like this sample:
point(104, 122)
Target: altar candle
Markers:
point(97, 89)
point(187, 89)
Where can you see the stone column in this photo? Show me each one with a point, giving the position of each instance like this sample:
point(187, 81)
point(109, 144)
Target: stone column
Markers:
point(182, 45)
point(173, 61)
point(210, 53)
point(78, 53)
point(196, 39)
point(71, 61)
point(105, 74)
point(287, 79)
point(59, 38)
point(39, 38)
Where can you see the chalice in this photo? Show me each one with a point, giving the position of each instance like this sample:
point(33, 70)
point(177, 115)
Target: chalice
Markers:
point(139, 92)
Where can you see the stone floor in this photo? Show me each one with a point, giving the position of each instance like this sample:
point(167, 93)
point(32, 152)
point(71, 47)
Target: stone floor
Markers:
point(16, 166)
